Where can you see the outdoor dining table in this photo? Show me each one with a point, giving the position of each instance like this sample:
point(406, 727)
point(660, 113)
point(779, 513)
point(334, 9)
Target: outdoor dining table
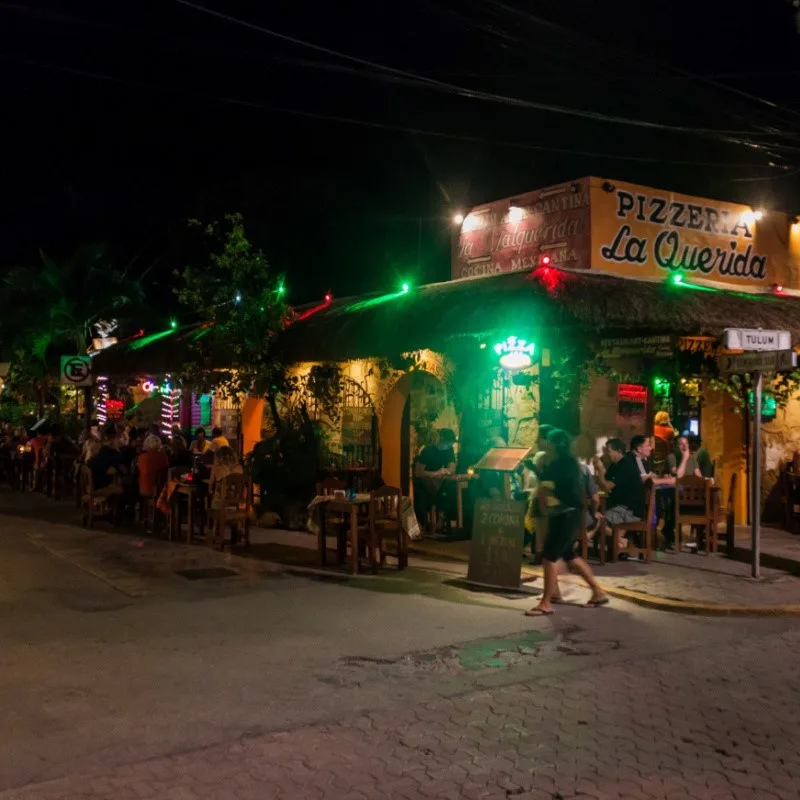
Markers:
point(349, 507)
point(195, 491)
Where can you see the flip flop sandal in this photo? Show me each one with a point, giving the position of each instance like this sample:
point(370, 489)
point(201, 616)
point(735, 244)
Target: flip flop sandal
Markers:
point(538, 612)
point(603, 601)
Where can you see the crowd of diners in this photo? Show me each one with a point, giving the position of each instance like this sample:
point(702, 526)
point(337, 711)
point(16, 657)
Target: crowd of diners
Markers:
point(126, 462)
point(623, 472)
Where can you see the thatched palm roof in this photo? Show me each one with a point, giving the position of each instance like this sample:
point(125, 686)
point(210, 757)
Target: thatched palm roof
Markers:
point(545, 306)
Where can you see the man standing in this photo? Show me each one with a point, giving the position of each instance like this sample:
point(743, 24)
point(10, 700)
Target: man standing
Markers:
point(433, 464)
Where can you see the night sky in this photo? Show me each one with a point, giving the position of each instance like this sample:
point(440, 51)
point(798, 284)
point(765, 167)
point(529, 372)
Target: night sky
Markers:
point(122, 120)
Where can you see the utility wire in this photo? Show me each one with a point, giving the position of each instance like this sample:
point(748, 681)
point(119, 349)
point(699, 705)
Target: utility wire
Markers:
point(723, 135)
point(385, 126)
point(679, 70)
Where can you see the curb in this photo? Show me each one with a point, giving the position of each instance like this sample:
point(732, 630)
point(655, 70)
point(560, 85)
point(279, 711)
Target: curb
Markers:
point(648, 600)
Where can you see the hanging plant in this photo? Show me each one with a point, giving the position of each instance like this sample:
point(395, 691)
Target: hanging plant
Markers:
point(325, 386)
point(783, 386)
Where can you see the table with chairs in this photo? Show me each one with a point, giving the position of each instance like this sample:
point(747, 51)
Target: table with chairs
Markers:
point(366, 521)
point(697, 503)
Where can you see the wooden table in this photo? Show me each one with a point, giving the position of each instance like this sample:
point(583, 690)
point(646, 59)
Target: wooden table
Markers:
point(193, 491)
point(349, 507)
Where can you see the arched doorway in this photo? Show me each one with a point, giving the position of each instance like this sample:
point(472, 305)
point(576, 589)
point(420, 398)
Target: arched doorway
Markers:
point(415, 408)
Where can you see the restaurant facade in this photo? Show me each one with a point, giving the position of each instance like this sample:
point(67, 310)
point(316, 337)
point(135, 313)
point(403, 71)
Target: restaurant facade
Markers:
point(590, 305)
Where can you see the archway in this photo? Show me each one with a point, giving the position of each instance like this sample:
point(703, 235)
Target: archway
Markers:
point(415, 407)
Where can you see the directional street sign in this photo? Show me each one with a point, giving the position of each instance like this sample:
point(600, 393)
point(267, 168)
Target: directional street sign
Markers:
point(752, 340)
point(757, 362)
point(76, 371)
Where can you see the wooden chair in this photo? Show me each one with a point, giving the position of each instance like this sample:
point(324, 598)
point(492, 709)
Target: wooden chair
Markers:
point(328, 488)
point(384, 525)
point(693, 506)
point(236, 496)
point(96, 504)
point(644, 527)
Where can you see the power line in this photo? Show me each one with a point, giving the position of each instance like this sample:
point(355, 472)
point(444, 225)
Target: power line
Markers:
point(679, 70)
point(385, 126)
point(723, 135)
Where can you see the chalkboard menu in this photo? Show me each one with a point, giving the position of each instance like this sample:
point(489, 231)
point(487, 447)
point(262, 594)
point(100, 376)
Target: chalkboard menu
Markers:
point(498, 533)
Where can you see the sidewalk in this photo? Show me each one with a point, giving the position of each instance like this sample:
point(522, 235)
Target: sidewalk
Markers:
point(686, 583)
point(140, 567)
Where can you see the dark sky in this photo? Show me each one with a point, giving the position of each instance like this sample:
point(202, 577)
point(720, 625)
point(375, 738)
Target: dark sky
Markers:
point(124, 119)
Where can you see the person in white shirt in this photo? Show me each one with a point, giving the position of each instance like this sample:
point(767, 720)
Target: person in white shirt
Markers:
point(218, 440)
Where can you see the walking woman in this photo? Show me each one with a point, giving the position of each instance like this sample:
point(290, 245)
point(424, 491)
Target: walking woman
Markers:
point(562, 498)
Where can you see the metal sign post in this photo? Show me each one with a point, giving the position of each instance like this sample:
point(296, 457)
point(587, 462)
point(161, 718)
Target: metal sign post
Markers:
point(756, 481)
point(765, 351)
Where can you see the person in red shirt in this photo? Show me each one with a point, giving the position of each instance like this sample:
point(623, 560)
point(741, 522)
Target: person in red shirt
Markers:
point(152, 460)
point(663, 427)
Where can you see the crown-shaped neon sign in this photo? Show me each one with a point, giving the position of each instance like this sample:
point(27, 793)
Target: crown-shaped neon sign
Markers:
point(515, 353)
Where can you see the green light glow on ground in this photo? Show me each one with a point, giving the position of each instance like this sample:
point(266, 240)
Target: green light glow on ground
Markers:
point(375, 301)
point(138, 344)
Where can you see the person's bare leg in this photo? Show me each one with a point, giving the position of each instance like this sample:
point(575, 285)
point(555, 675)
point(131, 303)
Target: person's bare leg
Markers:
point(579, 566)
point(551, 588)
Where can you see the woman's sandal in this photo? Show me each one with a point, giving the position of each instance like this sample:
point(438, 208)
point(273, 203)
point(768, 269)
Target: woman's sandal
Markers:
point(538, 612)
point(603, 601)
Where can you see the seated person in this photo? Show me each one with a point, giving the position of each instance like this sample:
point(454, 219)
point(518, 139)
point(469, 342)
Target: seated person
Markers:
point(704, 461)
point(218, 440)
point(200, 444)
point(150, 462)
point(106, 465)
point(683, 462)
point(435, 462)
point(624, 481)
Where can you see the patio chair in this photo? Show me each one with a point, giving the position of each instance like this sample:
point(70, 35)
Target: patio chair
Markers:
point(97, 503)
point(385, 525)
point(235, 499)
point(693, 507)
point(645, 527)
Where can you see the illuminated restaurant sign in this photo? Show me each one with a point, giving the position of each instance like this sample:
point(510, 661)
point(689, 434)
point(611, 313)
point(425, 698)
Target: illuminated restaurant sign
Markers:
point(515, 353)
point(629, 230)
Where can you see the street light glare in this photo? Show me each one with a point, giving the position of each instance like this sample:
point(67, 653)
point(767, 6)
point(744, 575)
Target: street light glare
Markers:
point(458, 218)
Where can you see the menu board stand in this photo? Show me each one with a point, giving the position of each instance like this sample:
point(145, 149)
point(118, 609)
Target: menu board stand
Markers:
point(498, 533)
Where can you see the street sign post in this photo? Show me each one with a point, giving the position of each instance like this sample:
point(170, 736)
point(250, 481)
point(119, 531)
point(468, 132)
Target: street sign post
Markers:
point(755, 339)
point(757, 363)
point(76, 371)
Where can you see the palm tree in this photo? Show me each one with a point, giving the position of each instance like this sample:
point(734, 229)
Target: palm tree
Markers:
point(49, 310)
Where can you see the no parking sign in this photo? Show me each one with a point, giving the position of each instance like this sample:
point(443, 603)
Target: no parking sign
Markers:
point(76, 371)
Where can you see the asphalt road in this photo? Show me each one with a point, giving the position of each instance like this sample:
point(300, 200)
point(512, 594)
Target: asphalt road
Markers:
point(92, 680)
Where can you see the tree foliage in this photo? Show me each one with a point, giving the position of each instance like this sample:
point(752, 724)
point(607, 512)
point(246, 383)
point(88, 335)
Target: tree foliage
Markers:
point(48, 310)
point(240, 303)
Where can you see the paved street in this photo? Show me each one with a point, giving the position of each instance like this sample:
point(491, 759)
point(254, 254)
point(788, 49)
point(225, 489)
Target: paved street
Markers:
point(270, 685)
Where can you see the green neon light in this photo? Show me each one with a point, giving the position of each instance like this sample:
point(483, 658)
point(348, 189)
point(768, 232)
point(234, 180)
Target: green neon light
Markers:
point(405, 289)
point(661, 387)
point(201, 332)
point(138, 344)
point(374, 301)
